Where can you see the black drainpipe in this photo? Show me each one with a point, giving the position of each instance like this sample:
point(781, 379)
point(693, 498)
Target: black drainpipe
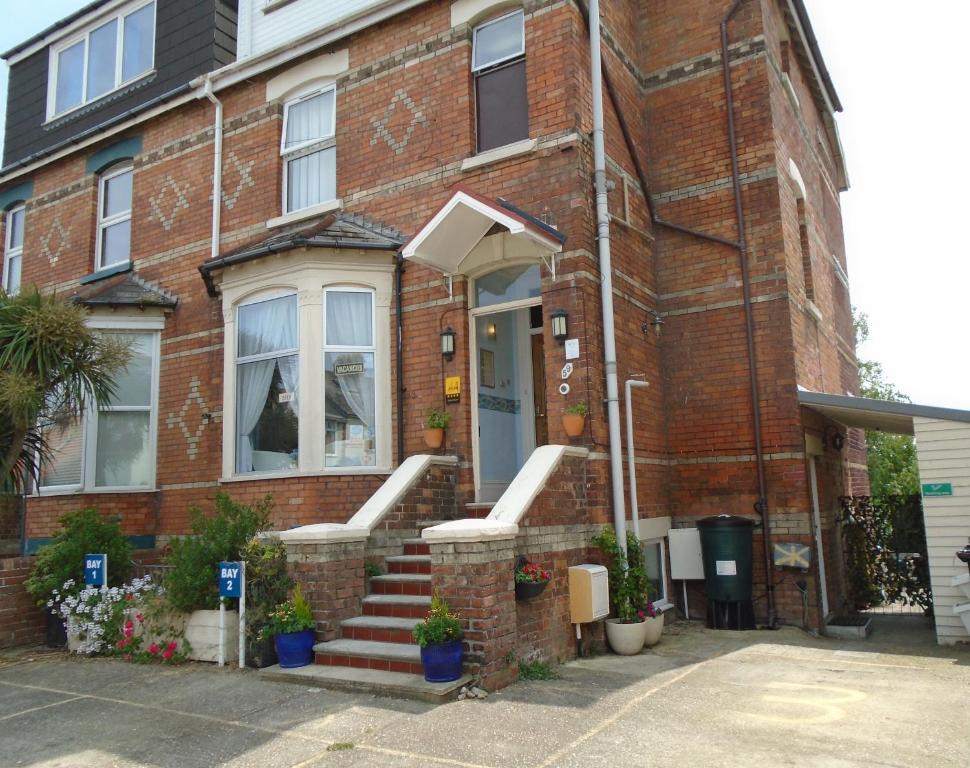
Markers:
point(761, 506)
point(398, 275)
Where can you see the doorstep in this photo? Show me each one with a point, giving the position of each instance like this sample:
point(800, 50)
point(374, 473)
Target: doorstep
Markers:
point(398, 685)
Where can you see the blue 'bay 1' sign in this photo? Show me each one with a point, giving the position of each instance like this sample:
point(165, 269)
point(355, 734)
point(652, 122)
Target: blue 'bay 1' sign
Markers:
point(230, 580)
point(96, 570)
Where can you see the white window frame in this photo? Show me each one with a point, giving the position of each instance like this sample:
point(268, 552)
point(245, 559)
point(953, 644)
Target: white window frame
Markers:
point(89, 419)
point(485, 25)
point(372, 349)
point(307, 147)
point(663, 602)
point(84, 36)
point(118, 218)
point(9, 252)
point(240, 360)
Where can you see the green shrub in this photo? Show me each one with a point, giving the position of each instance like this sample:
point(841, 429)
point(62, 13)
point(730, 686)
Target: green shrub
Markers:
point(440, 625)
point(191, 584)
point(292, 616)
point(628, 583)
point(267, 581)
point(82, 532)
point(437, 418)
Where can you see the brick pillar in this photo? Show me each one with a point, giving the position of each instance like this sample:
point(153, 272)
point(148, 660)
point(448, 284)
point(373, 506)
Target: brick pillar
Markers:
point(476, 579)
point(331, 574)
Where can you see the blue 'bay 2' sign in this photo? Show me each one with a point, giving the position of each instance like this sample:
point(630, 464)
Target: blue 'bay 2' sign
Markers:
point(230, 580)
point(96, 570)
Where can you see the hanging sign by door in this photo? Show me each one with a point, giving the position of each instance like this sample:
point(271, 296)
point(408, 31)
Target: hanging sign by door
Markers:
point(453, 389)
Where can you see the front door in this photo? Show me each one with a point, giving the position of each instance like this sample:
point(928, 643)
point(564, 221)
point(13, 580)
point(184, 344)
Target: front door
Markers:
point(511, 396)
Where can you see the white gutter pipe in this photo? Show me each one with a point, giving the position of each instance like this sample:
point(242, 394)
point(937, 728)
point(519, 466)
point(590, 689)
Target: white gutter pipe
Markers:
point(630, 451)
point(606, 277)
point(216, 167)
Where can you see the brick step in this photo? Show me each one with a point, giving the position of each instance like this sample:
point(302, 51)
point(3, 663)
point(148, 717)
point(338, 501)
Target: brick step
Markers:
point(401, 584)
point(383, 629)
point(369, 681)
point(409, 564)
point(369, 654)
point(416, 547)
point(479, 509)
point(399, 606)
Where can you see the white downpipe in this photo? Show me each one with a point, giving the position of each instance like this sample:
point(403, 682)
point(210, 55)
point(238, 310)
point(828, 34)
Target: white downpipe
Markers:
point(606, 277)
point(631, 451)
point(216, 168)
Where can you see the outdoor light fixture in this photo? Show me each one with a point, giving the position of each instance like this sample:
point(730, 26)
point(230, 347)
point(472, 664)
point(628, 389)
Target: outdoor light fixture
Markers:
point(448, 343)
point(560, 327)
point(657, 323)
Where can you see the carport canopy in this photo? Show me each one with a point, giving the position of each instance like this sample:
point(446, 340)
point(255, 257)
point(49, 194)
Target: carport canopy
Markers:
point(881, 415)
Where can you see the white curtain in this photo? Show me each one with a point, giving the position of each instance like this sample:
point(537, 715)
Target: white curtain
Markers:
point(267, 326)
point(254, 380)
point(309, 120)
point(310, 178)
point(349, 319)
point(290, 373)
point(357, 388)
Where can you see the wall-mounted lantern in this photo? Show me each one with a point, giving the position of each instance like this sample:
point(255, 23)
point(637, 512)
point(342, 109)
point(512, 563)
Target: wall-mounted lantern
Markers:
point(448, 343)
point(560, 325)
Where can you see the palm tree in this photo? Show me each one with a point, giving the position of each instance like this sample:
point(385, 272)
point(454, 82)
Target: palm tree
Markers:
point(51, 365)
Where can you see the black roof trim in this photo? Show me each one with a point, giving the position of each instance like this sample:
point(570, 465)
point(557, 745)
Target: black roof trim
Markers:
point(54, 28)
point(816, 52)
point(551, 231)
point(806, 397)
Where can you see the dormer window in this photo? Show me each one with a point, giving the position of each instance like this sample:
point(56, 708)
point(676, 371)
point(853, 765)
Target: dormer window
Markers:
point(101, 59)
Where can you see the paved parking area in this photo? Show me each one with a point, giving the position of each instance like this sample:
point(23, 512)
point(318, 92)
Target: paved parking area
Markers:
point(702, 698)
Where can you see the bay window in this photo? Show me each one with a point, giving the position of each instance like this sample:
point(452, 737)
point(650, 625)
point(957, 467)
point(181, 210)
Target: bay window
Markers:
point(267, 385)
point(13, 250)
point(110, 446)
point(114, 218)
point(309, 150)
point(102, 59)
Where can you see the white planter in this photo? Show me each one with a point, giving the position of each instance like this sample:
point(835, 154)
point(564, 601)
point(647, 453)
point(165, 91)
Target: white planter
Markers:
point(626, 639)
point(202, 635)
point(654, 629)
point(962, 582)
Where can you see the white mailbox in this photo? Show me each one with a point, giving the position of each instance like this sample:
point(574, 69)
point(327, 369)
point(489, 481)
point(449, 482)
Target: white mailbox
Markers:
point(589, 594)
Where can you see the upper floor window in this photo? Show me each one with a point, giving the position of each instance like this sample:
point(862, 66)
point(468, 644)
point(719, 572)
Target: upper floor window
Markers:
point(114, 218)
point(309, 150)
point(501, 99)
point(101, 59)
point(13, 249)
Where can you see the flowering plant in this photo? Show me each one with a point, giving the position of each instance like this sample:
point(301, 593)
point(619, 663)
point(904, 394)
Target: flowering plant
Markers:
point(531, 573)
point(289, 617)
point(439, 626)
point(650, 611)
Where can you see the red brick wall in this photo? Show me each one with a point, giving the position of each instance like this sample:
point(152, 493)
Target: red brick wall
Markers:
point(21, 621)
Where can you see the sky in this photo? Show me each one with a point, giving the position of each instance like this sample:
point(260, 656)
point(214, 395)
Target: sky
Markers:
point(899, 72)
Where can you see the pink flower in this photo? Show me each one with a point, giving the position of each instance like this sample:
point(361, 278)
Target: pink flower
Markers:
point(140, 617)
point(153, 648)
point(171, 646)
point(167, 654)
point(122, 643)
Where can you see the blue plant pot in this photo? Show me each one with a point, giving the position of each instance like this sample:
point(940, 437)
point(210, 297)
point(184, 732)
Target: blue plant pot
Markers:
point(442, 662)
point(295, 649)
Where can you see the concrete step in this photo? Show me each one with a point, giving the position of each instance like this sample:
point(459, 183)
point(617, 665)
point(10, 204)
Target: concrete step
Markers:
point(370, 654)
point(399, 606)
point(409, 564)
point(386, 629)
point(401, 584)
point(371, 681)
point(416, 547)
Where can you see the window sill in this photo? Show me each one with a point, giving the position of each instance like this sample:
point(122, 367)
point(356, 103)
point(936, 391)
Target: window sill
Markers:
point(101, 274)
point(305, 213)
point(89, 491)
point(333, 472)
point(490, 156)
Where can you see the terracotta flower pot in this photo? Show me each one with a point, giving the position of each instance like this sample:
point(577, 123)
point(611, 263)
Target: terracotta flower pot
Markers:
point(434, 437)
point(573, 423)
point(626, 639)
point(654, 629)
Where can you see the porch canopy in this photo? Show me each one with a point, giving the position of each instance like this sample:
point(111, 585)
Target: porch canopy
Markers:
point(880, 415)
point(471, 234)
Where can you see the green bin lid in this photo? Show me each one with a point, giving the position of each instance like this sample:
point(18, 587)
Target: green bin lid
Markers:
point(726, 521)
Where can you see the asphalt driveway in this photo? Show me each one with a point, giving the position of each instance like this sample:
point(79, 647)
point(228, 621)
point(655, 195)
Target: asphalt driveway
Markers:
point(702, 698)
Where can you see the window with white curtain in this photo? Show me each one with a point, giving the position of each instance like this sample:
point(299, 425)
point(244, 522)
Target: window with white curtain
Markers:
point(14, 249)
point(348, 360)
point(102, 58)
point(114, 218)
point(309, 150)
point(111, 446)
point(267, 385)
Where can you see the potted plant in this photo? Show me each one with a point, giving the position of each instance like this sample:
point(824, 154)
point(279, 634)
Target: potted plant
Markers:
point(530, 579)
point(267, 585)
point(653, 621)
point(292, 625)
point(574, 419)
point(439, 636)
point(628, 585)
point(435, 423)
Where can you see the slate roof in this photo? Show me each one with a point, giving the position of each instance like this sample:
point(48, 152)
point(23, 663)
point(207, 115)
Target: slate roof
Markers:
point(127, 290)
point(340, 230)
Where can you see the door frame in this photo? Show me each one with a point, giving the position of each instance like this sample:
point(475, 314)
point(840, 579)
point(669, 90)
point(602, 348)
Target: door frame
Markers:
point(817, 526)
point(473, 314)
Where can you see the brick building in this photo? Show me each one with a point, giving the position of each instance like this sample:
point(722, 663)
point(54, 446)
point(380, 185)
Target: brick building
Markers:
point(388, 172)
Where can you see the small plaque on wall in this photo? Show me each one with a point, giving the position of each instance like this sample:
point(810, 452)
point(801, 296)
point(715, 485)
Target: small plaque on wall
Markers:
point(453, 389)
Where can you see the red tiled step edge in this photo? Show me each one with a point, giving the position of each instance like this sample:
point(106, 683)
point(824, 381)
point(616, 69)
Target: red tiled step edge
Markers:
point(401, 584)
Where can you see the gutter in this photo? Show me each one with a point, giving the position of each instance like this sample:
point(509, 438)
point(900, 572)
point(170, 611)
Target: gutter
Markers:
point(216, 167)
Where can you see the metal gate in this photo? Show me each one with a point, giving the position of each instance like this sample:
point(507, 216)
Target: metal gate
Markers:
point(884, 541)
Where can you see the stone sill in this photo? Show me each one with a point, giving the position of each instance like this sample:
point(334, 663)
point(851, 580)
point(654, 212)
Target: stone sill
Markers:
point(470, 530)
point(490, 156)
point(336, 472)
point(324, 533)
point(305, 213)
